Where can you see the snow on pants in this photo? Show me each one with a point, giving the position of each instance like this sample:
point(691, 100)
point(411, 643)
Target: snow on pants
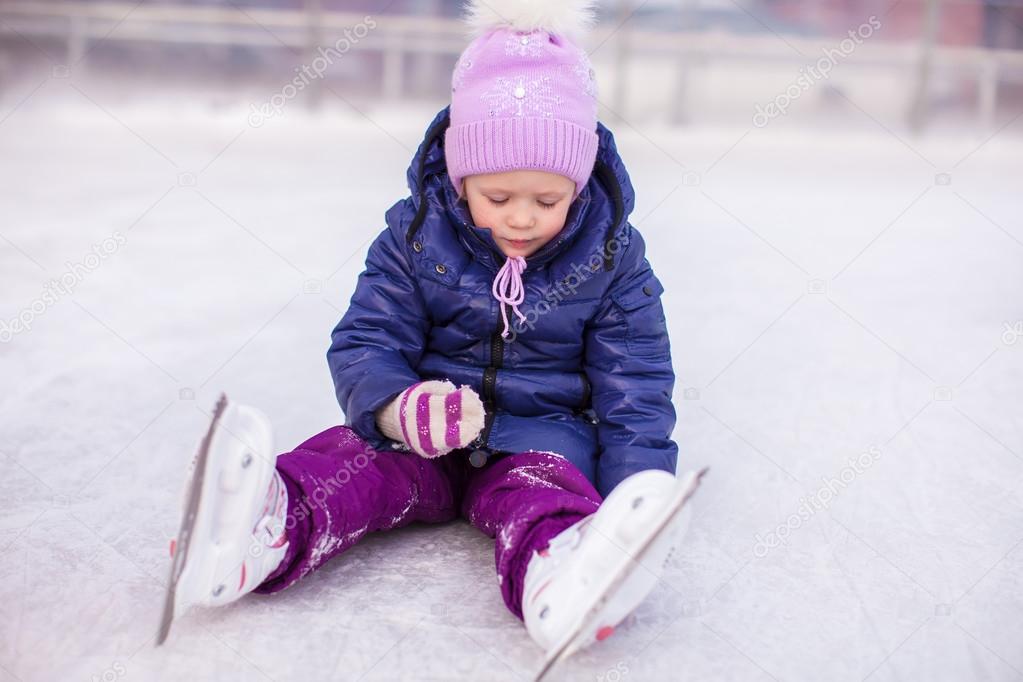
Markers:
point(340, 489)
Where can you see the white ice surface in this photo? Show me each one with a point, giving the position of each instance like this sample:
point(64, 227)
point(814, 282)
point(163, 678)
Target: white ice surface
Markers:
point(914, 571)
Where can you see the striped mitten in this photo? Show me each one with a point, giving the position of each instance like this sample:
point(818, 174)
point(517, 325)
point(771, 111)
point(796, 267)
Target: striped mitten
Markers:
point(433, 417)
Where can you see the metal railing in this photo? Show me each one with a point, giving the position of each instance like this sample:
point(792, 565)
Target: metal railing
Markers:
point(396, 37)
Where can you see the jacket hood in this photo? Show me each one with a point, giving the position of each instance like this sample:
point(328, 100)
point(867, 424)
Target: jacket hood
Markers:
point(600, 211)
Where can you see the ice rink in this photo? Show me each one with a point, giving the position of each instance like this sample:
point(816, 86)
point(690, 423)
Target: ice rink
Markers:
point(831, 299)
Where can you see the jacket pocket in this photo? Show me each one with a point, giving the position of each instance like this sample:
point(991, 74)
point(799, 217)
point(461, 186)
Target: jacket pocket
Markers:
point(647, 329)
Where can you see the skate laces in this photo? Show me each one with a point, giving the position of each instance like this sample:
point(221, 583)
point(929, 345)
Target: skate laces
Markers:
point(508, 289)
point(270, 525)
point(567, 540)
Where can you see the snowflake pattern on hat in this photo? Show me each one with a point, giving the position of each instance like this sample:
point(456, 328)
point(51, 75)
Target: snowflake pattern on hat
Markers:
point(521, 97)
point(583, 69)
point(524, 44)
point(461, 69)
point(584, 73)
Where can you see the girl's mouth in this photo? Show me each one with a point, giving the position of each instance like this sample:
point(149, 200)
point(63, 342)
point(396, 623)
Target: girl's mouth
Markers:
point(519, 242)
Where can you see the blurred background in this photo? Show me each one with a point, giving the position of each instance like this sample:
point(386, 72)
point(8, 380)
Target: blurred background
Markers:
point(829, 191)
point(926, 62)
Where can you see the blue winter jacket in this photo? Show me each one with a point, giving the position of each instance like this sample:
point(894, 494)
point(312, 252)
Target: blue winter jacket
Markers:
point(588, 374)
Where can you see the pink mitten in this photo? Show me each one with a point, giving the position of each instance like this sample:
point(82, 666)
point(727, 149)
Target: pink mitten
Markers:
point(433, 417)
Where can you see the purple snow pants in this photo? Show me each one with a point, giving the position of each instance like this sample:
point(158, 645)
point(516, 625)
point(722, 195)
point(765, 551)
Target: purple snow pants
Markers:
point(340, 489)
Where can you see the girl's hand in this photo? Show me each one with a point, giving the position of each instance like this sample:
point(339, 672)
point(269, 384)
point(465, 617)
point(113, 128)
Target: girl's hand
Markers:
point(433, 417)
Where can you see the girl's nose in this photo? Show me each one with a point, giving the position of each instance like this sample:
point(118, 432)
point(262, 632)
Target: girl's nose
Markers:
point(520, 219)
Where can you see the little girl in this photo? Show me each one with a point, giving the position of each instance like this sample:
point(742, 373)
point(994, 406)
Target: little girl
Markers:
point(504, 358)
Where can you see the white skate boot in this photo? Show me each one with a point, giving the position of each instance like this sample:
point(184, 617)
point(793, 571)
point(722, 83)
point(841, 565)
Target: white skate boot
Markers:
point(232, 527)
point(596, 572)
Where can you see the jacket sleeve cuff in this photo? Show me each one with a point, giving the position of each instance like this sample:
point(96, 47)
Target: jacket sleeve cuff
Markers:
point(387, 420)
point(609, 474)
point(364, 402)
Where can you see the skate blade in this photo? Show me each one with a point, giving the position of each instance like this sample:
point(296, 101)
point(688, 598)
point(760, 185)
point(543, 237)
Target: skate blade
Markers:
point(188, 523)
point(571, 642)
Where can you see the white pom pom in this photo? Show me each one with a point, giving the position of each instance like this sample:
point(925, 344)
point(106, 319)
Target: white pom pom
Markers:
point(563, 17)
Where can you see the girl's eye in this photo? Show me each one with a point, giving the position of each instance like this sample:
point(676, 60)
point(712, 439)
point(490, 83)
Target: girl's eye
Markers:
point(497, 202)
point(546, 205)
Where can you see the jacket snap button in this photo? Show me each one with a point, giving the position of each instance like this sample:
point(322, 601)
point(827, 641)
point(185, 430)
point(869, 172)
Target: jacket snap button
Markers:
point(648, 291)
point(441, 269)
point(478, 458)
point(417, 247)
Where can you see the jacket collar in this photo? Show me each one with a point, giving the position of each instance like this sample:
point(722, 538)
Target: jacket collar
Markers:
point(599, 212)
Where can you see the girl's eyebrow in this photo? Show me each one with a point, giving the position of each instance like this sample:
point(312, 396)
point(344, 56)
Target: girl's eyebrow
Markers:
point(549, 194)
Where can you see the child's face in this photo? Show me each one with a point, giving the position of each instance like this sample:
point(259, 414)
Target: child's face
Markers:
point(523, 209)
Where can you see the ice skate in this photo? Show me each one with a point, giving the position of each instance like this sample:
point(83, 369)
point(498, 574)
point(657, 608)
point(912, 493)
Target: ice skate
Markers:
point(232, 527)
point(596, 572)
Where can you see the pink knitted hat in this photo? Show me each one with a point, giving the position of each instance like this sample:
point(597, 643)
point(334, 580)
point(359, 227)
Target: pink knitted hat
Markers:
point(523, 94)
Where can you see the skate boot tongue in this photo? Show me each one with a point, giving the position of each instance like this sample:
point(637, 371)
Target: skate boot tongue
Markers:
point(625, 517)
point(568, 539)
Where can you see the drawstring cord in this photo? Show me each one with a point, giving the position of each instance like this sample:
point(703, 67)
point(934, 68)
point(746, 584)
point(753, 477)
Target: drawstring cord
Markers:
point(508, 289)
